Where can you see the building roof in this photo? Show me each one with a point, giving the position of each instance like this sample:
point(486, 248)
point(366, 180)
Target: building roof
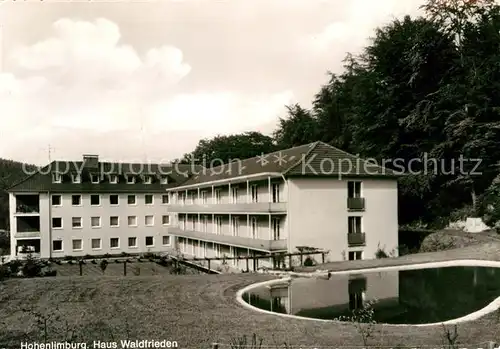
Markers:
point(316, 159)
point(41, 179)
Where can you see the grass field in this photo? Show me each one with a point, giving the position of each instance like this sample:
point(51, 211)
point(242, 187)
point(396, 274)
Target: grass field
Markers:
point(195, 310)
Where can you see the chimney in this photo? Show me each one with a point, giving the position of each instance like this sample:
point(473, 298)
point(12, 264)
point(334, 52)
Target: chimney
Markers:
point(91, 161)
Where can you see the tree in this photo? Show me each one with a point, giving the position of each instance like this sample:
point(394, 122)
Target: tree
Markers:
point(298, 128)
point(222, 149)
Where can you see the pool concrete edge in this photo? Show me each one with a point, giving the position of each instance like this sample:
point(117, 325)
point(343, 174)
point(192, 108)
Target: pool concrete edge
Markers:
point(491, 307)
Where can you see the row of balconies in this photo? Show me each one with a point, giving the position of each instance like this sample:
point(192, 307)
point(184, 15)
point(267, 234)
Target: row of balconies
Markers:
point(353, 204)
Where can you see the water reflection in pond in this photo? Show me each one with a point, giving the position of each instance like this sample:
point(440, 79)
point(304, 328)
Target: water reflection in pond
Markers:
point(402, 297)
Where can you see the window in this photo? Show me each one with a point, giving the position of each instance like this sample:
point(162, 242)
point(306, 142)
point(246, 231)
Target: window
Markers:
point(57, 223)
point(76, 200)
point(148, 180)
point(131, 200)
point(94, 178)
point(56, 177)
point(254, 227)
point(149, 241)
point(76, 222)
point(354, 225)
point(218, 225)
point(95, 222)
point(95, 199)
point(132, 221)
point(354, 189)
point(96, 244)
point(217, 196)
point(113, 200)
point(182, 198)
point(77, 245)
point(164, 180)
point(130, 179)
point(76, 178)
point(234, 192)
point(113, 179)
point(165, 220)
point(166, 240)
point(193, 198)
point(276, 192)
point(132, 242)
point(114, 243)
point(114, 221)
point(56, 200)
point(276, 228)
point(57, 245)
point(148, 198)
point(165, 199)
point(235, 223)
point(255, 193)
point(204, 196)
point(355, 255)
point(149, 220)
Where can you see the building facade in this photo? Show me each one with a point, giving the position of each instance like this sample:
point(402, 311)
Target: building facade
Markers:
point(309, 196)
point(313, 196)
point(92, 208)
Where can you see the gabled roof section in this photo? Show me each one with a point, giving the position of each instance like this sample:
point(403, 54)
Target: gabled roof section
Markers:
point(41, 179)
point(313, 159)
point(276, 162)
point(326, 160)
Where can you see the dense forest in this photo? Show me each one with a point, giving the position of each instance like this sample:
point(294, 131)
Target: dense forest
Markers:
point(424, 88)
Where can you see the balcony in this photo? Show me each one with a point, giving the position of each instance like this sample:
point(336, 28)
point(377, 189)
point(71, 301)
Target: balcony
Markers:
point(356, 239)
point(262, 207)
point(356, 204)
point(237, 241)
point(27, 204)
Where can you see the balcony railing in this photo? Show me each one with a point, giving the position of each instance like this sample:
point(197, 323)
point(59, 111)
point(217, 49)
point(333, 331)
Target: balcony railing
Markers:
point(278, 207)
point(27, 209)
point(356, 239)
point(357, 204)
point(238, 241)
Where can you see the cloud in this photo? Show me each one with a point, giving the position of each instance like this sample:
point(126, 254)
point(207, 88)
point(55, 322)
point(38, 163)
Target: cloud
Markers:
point(358, 24)
point(85, 81)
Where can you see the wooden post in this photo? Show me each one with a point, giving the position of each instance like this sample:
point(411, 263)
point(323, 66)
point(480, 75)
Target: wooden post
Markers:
point(125, 268)
point(301, 259)
point(209, 264)
point(290, 261)
point(81, 268)
point(247, 265)
point(323, 258)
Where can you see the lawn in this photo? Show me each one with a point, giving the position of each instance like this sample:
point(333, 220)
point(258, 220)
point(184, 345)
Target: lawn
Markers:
point(194, 310)
point(113, 269)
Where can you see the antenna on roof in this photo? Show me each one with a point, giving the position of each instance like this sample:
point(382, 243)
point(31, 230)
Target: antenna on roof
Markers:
point(1, 47)
point(49, 154)
point(145, 157)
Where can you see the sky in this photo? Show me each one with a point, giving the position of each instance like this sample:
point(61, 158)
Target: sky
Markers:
point(145, 81)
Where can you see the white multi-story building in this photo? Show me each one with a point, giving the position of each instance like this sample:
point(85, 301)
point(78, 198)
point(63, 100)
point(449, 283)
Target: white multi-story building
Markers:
point(313, 196)
point(92, 208)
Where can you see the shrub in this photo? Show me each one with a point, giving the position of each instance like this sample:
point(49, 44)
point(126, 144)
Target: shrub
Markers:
point(69, 258)
point(87, 256)
point(32, 267)
point(4, 272)
point(103, 265)
point(15, 266)
point(380, 253)
point(309, 262)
